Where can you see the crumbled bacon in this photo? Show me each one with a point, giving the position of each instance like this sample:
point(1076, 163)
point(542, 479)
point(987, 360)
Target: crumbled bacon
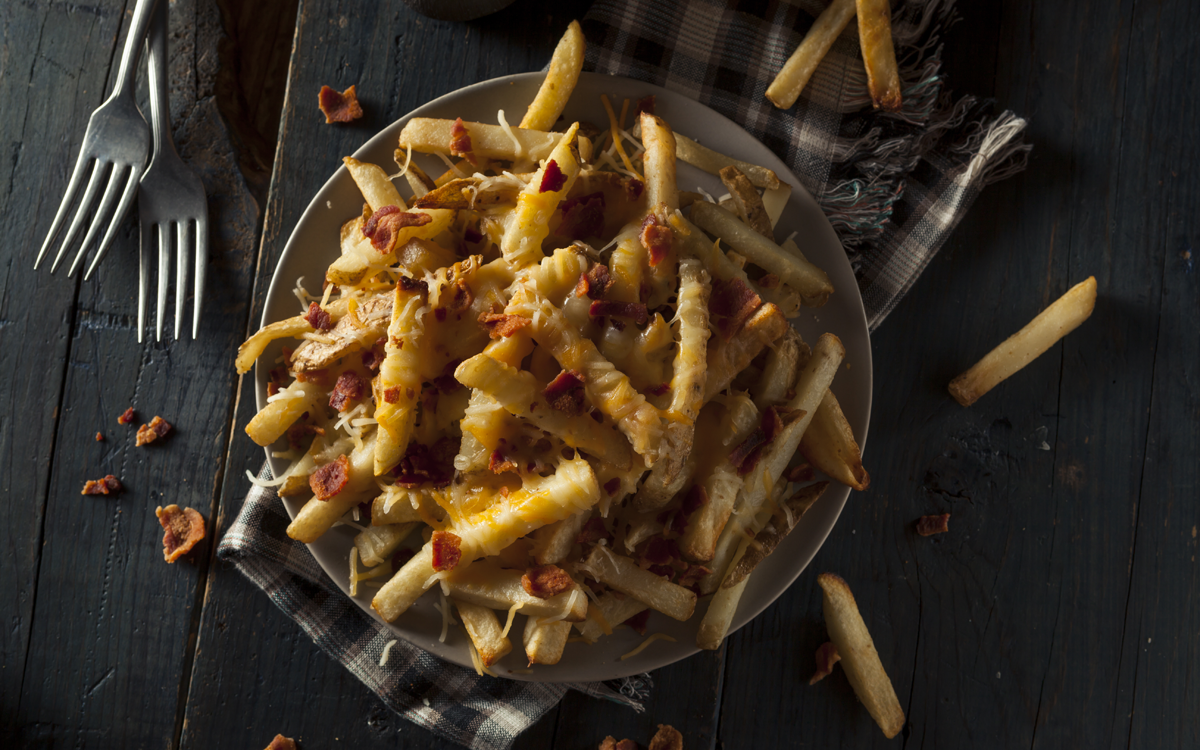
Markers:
point(634, 189)
point(411, 285)
point(446, 384)
point(148, 433)
point(427, 464)
point(730, 305)
point(502, 325)
point(638, 621)
point(553, 178)
point(282, 743)
point(99, 437)
point(339, 107)
point(657, 239)
point(827, 656)
point(127, 416)
point(610, 743)
point(666, 571)
point(331, 478)
point(372, 358)
point(463, 297)
point(595, 283)
point(936, 524)
point(691, 575)
point(658, 390)
point(391, 395)
point(318, 318)
point(666, 738)
point(499, 463)
point(297, 432)
point(565, 392)
point(183, 528)
point(769, 281)
point(612, 308)
point(593, 531)
point(546, 581)
point(460, 142)
point(582, 217)
point(447, 550)
point(694, 500)
point(109, 485)
point(746, 455)
point(612, 485)
point(314, 376)
point(385, 224)
point(659, 551)
point(349, 388)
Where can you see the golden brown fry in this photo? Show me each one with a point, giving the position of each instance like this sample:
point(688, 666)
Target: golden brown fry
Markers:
point(879, 54)
point(545, 641)
point(484, 628)
point(704, 158)
point(828, 444)
point(565, 65)
point(794, 75)
point(624, 575)
point(860, 660)
point(727, 358)
point(747, 201)
point(374, 184)
point(1027, 344)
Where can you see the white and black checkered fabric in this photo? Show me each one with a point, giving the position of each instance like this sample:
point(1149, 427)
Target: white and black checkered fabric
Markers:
point(892, 185)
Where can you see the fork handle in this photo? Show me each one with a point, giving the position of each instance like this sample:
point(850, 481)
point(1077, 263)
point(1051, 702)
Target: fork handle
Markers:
point(126, 74)
point(160, 104)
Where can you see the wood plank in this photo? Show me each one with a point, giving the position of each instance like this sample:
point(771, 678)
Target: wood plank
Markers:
point(398, 60)
point(40, 135)
point(113, 625)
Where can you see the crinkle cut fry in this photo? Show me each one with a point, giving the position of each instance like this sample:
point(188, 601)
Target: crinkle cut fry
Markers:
point(607, 388)
point(527, 225)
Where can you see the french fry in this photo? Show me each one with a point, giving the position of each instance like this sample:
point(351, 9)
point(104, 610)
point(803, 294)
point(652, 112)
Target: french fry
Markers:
point(348, 335)
point(659, 161)
point(552, 543)
point(727, 358)
point(806, 278)
point(747, 201)
point(484, 629)
point(406, 586)
point(775, 201)
point(565, 65)
point(429, 136)
point(705, 159)
point(879, 54)
point(420, 182)
point(606, 613)
point(721, 486)
point(376, 543)
point(528, 224)
point(544, 641)
point(783, 360)
point(624, 575)
point(554, 276)
point(360, 258)
point(318, 516)
point(723, 606)
point(399, 375)
point(284, 408)
point(860, 660)
point(487, 585)
point(1060, 318)
point(398, 505)
point(828, 444)
point(254, 346)
point(794, 75)
point(374, 184)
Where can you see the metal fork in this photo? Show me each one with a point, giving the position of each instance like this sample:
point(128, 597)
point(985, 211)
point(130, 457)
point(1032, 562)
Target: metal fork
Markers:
point(117, 136)
point(170, 195)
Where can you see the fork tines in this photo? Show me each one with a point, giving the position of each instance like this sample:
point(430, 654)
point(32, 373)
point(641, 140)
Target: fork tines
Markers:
point(191, 238)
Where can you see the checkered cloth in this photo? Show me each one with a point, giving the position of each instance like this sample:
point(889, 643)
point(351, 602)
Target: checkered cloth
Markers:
point(892, 185)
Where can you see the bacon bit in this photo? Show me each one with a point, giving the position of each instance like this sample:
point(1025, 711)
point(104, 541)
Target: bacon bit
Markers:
point(634, 189)
point(447, 550)
point(148, 433)
point(638, 621)
point(282, 743)
point(659, 389)
point(611, 744)
point(109, 485)
point(183, 529)
point(645, 104)
point(612, 485)
point(128, 416)
point(612, 308)
point(372, 358)
point(392, 395)
point(676, 525)
point(272, 389)
point(746, 456)
point(666, 571)
point(696, 498)
point(318, 318)
point(331, 478)
point(314, 376)
point(565, 392)
point(801, 473)
point(553, 178)
point(287, 358)
point(546, 581)
point(463, 297)
point(296, 433)
point(583, 216)
point(99, 437)
point(349, 388)
point(657, 238)
point(501, 325)
point(593, 531)
point(472, 235)
point(659, 551)
point(936, 524)
point(446, 384)
point(386, 223)
point(769, 281)
point(595, 283)
point(498, 463)
point(401, 556)
point(343, 107)
point(460, 142)
point(427, 464)
point(691, 575)
point(666, 738)
point(827, 656)
point(731, 304)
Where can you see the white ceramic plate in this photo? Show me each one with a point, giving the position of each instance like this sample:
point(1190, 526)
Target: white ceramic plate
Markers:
point(314, 245)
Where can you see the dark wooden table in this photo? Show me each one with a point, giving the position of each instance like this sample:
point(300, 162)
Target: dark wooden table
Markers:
point(1062, 609)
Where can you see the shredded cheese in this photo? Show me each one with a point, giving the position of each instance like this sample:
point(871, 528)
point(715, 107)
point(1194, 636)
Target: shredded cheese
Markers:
point(647, 642)
point(354, 571)
point(512, 612)
point(568, 609)
point(318, 337)
point(404, 170)
point(518, 149)
point(265, 482)
point(387, 650)
point(616, 134)
point(457, 172)
point(475, 660)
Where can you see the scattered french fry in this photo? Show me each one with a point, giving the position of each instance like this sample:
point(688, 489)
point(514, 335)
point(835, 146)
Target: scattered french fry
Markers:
point(879, 54)
point(1027, 344)
point(792, 79)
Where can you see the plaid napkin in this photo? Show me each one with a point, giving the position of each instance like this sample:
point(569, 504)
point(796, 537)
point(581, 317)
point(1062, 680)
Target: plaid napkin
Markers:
point(893, 186)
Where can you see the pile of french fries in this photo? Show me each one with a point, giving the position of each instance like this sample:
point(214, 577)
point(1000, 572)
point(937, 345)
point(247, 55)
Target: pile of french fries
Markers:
point(548, 382)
